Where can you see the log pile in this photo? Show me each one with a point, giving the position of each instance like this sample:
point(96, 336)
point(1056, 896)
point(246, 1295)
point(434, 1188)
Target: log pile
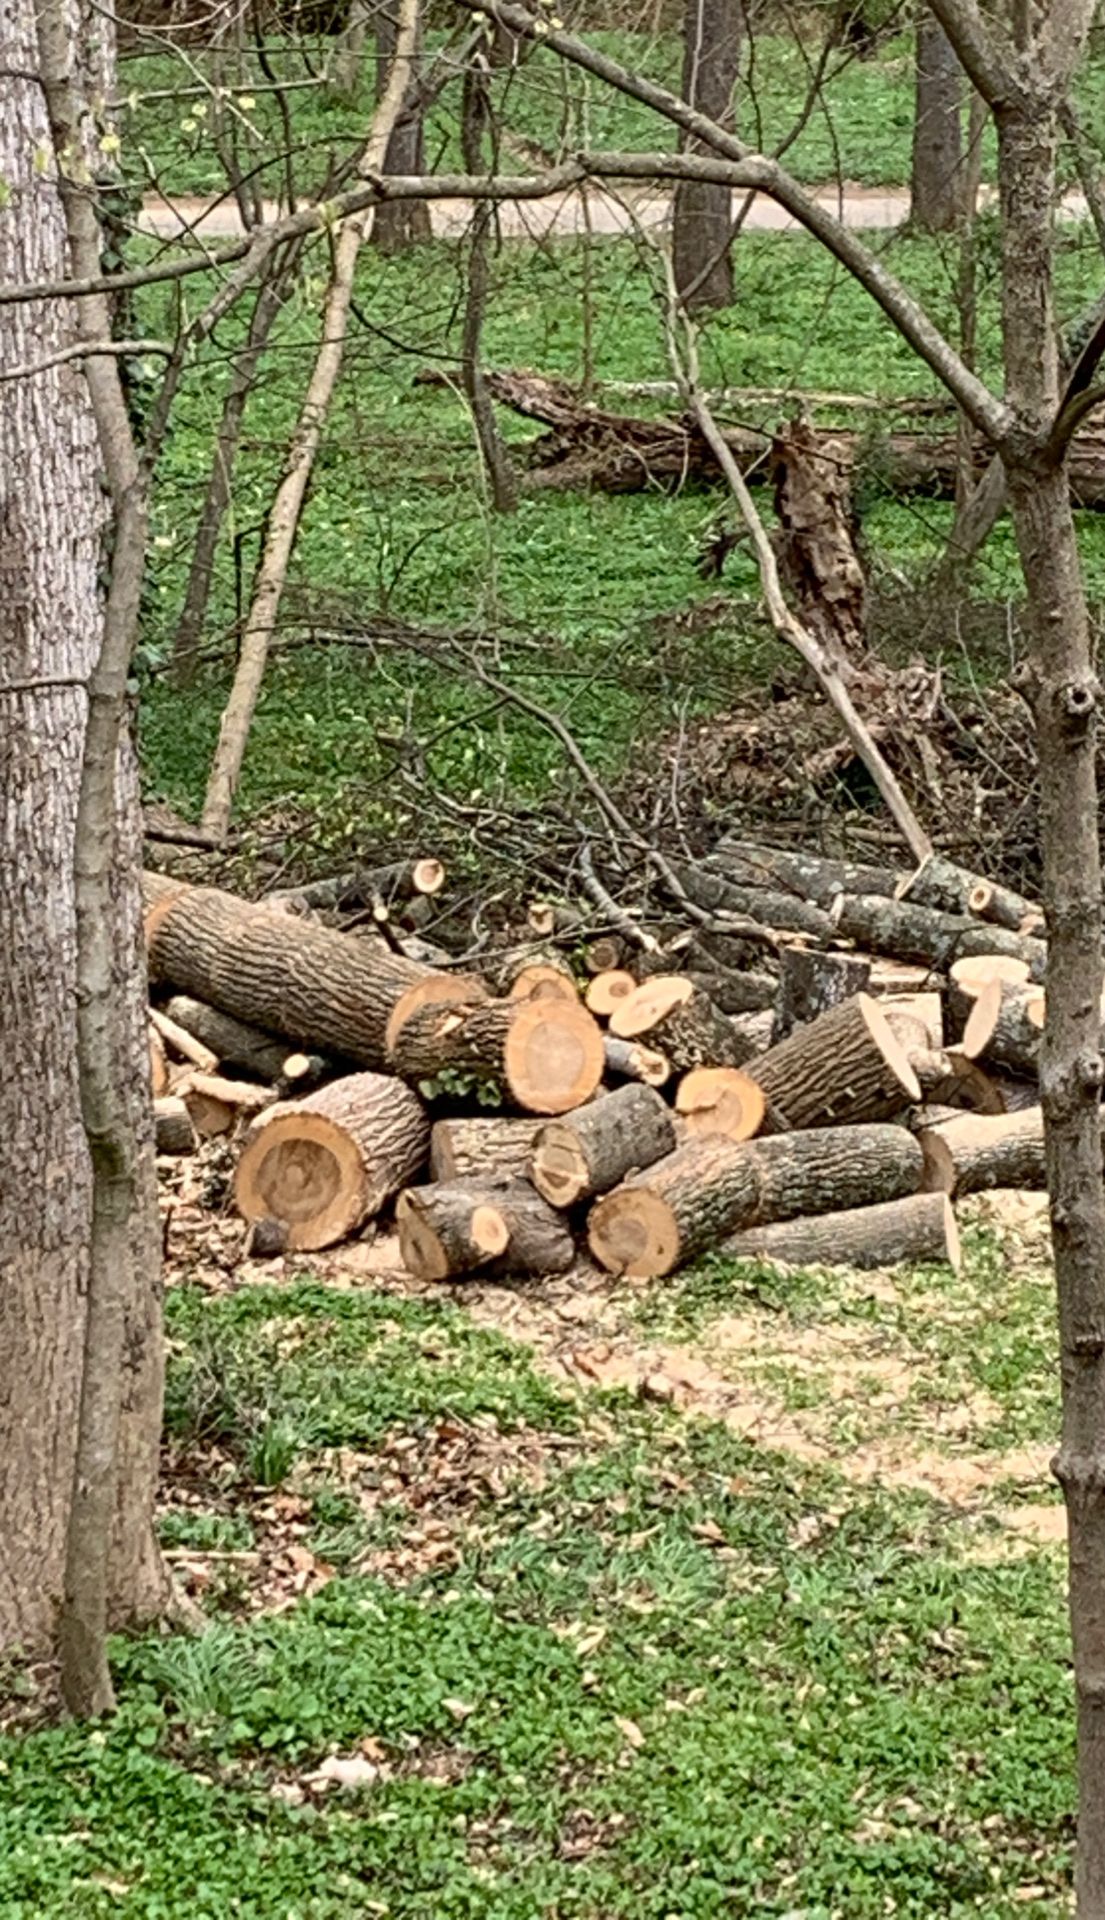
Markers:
point(601, 1098)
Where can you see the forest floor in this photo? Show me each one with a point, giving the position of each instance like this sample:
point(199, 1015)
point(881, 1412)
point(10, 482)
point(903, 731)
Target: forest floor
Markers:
point(739, 1592)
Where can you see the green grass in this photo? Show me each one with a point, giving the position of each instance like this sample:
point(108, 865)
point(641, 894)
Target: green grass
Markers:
point(667, 1673)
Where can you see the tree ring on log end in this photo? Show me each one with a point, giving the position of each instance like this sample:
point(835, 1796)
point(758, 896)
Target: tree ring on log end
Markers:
point(634, 1232)
point(975, 970)
point(641, 1011)
point(553, 1056)
point(303, 1170)
point(720, 1100)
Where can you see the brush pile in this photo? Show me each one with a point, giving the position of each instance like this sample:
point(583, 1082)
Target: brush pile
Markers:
point(822, 1101)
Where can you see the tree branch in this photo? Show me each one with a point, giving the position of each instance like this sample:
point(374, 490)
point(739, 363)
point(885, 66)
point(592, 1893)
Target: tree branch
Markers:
point(86, 350)
point(965, 26)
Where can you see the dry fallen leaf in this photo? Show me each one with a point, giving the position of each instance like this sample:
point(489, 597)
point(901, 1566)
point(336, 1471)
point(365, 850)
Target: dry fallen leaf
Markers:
point(630, 1731)
point(460, 1709)
point(344, 1770)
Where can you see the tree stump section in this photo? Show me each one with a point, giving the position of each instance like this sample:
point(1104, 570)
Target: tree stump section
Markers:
point(847, 1065)
point(1006, 1024)
point(811, 982)
point(173, 1129)
point(720, 1100)
point(492, 1226)
point(921, 1227)
point(592, 1150)
point(547, 1054)
point(607, 990)
point(627, 1061)
point(710, 1187)
point(473, 1149)
point(326, 1164)
point(670, 1012)
point(974, 1152)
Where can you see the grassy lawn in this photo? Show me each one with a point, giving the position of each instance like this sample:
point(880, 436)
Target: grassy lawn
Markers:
point(491, 1635)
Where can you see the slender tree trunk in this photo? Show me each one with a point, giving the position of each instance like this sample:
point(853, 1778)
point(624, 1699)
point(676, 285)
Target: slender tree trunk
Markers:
point(702, 218)
point(497, 463)
point(345, 70)
point(1064, 691)
point(78, 1230)
point(400, 223)
point(936, 185)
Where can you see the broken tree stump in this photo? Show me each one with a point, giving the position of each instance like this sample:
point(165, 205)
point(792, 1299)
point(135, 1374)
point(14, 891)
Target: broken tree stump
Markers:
point(326, 1164)
point(709, 1187)
point(590, 1151)
point(847, 1065)
point(974, 1152)
point(475, 1148)
point(920, 1227)
point(499, 1226)
point(669, 1012)
point(545, 1054)
point(720, 1100)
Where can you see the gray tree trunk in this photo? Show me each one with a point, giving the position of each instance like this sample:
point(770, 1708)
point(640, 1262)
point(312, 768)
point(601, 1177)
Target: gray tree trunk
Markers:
point(53, 522)
point(399, 223)
point(702, 218)
point(936, 182)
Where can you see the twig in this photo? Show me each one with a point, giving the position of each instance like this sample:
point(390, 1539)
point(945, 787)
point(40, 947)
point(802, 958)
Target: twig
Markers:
point(86, 350)
point(622, 921)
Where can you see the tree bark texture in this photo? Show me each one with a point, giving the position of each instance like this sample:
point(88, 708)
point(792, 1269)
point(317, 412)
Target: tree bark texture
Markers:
point(975, 1151)
point(936, 180)
point(590, 1151)
point(400, 223)
point(920, 1227)
point(702, 218)
point(53, 518)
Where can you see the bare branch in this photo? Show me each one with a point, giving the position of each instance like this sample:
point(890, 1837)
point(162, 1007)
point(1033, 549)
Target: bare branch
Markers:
point(86, 350)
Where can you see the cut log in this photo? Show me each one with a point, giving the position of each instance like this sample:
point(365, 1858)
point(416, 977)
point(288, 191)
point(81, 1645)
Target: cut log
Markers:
point(495, 1227)
point(364, 886)
point(913, 932)
point(216, 1104)
point(607, 990)
point(159, 1065)
point(720, 1100)
point(950, 888)
point(590, 1151)
point(973, 1152)
point(433, 990)
point(173, 1129)
point(919, 1228)
point(755, 1031)
point(1006, 1024)
point(710, 1187)
point(326, 1164)
point(927, 1007)
point(540, 979)
point(240, 1045)
point(320, 988)
point(847, 1065)
point(605, 954)
point(670, 1012)
point(626, 1060)
point(477, 1149)
point(809, 875)
point(1004, 908)
point(772, 908)
point(184, 1043)
point(811, 982)
point(546, 1054)
point(973, 971)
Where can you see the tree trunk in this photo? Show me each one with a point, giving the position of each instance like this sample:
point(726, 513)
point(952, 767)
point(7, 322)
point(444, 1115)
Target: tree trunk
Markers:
point(847, 1065)
point(400, 223)
point(936, 182)
point(702, 219)
point(670, 1013)
point(501, 479)
point(51, 634)
point(545, 1055)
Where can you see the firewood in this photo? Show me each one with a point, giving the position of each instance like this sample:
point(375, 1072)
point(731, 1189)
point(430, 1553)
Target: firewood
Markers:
point(433, 990)
point(498, 1227)
point(326, 1164)
point(720, 1100)
point(216, 1104)
point(913, 932)
point(972, 1152)
point(1006, 1025)
point(809, 875)
point(540, 979)
point(470, 1148)
point(974, 970)
point(184, 1043)
point(625, 1060)
point(950, 888)
point(926, 1006)
point(173, 1129)
point(546, 1054)
point(590, 1151)
point(159, 1065)
point(810, 982)
point(1004, 908)
point(241, 1045)
point(770, 907)
point(607, 990)
point(320, 988)
point(671, 1013)
point(340, 892)
point(755, 1031)
point(846, 1065)
point(605, 954)
point(709, 1187)
point(920, 1227)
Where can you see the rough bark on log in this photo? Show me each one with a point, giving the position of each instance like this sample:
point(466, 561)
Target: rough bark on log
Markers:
point(1006, 1024)
point(606, 990)
point(241, 1045)
point(546, 1054)
point(774, 909)
point(326, 1164)
point(364, 887)
point(923, 933)
point(810, 876)
point(811, 982)
point(755, 1031)
point(1004, 908)
point(473, 1148)
point(720, 1100)
point(921, 1227)
point(321, 988)
point(684, 1023)
point(847, 1065)
point(816, 538)
point(950, 888)
point(173, 1129)
point(626, 1060)
point(710, 1187)
point(974, 1152)
point(498, 1227)
point(590, 1151)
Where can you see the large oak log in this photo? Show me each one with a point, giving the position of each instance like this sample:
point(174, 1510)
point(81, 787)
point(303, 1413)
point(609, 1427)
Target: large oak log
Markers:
point(590, 1151)
point(546, 1054)
point(710, 1187)
point(811, 982)
point(492, 1226)
point(847, 1065)
point(481, 1148)
point(326, 1164)
point(919, 1228)
point(235, 1042)
point(720, 1100)
point(922, 933)
point(669, 1012)
point(973, 1152)
point(320, 988)
point(811, 876)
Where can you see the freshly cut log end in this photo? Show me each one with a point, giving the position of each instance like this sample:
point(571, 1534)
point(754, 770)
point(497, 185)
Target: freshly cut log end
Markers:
point(540, 981)
point(326, 1164)
point(627, 1060)
point(427, 876)
point(471, 1148)
point(604, 954)
point(448, 1230)
point(553, 1057)
point(682, 1020)
point(590, 1151)
point(217, 1104)
point(720, 1100)
point(921, 1228)
point(847, 1065)
point(608, 990)
point(648, 1006)
point(635, 1234)
point(435, 990)
point(1006, 1023)
point(974, 970)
